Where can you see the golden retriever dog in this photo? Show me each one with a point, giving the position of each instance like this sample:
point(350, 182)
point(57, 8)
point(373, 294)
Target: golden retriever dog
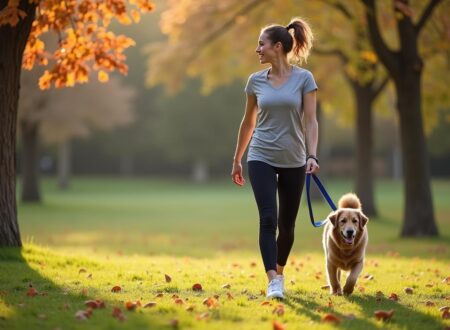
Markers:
point(345, 239)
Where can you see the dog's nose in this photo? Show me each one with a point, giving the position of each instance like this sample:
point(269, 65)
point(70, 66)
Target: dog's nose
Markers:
point(349, 233)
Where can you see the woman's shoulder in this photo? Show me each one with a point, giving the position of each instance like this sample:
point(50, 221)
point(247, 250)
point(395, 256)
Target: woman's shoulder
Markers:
point(302, 71)
point(259, 74)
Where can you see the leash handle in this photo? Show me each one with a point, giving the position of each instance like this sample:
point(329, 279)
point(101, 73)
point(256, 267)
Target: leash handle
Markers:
point(324, 194)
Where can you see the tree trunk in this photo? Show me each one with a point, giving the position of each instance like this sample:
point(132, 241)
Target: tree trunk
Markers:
point(364, 150)
point(126, 165)
point(12, 45)
point(419, 214)
point(30, 162)
point(64, 161)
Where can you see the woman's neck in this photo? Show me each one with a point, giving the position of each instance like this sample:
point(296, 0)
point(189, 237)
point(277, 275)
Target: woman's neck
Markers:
point(281, 68)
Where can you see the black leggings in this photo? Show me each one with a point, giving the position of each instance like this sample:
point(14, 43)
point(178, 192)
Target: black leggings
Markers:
point(265, 183)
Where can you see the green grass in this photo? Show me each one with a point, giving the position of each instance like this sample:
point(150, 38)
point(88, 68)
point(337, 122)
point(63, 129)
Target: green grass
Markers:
point(132, 232)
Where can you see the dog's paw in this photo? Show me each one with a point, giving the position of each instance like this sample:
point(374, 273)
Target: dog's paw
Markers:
point(336, 291)
point(348, 289)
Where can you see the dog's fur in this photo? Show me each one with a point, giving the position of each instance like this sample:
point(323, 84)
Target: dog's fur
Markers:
point(345, 239)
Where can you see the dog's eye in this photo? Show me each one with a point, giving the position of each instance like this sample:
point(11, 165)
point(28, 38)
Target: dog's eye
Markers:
point(355, 221)
point(343, 220)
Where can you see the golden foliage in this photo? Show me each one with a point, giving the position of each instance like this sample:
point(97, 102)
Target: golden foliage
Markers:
point(84, 39)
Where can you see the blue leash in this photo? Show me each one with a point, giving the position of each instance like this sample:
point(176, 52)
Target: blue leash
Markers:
point(324, 194)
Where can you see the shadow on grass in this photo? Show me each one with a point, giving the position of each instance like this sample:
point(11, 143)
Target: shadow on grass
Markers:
point(404, 317)
point(55, 306)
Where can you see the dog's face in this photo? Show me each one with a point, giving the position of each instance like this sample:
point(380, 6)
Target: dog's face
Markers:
point(348, 223)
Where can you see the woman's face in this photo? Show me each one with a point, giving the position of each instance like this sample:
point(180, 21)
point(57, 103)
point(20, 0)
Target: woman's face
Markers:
point(265, 50)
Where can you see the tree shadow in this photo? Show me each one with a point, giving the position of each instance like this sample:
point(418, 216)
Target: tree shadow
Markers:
point(54, 306)
point(404, 317)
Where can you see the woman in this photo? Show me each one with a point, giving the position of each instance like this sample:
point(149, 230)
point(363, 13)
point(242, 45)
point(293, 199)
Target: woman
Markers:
point(278, 99)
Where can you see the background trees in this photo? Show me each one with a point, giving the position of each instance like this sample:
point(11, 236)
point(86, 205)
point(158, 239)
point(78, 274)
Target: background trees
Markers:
point(84, 42)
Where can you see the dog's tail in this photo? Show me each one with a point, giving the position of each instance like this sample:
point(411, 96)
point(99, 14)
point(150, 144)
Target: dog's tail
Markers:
point(350, 201)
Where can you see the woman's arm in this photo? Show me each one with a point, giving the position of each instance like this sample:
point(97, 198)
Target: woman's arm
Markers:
point(245, 133)
point(312, 130)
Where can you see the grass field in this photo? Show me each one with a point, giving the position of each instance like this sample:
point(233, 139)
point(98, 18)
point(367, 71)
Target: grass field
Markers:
point(102, 233)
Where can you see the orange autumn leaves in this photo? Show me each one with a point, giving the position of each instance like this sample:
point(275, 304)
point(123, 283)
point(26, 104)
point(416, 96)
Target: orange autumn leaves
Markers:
point(84, 40)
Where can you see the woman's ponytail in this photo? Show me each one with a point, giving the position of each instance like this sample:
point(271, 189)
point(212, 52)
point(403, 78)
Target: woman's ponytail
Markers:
point(303, 38)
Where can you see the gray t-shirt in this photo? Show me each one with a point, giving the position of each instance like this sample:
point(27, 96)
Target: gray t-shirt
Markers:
point(278, 138)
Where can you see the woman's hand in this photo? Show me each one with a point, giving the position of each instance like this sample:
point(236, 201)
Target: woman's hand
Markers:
point(236, 174)
point(312, 167)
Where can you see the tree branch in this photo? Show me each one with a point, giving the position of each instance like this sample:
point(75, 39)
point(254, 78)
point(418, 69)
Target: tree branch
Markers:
point(426, 15)
point(387, 56)
point(380, 87)
point(340, 7)
point(334, 52)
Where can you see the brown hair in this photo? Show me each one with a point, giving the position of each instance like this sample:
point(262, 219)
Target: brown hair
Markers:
point(300, 42)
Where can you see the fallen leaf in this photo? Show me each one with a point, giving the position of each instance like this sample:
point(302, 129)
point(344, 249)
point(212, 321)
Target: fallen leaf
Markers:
point(159, 295)
point(116, 289)
point(330, 303)
point(82, 270)
point(230, 296)
point(262, 292)
point(202, 316)
point(265, 302)
point(150, 304)
point(253, 264)
point(32, 292)
point(292, 282)
point(393, 297)
point(42, 316)
point(197, 287)
point(331, 318)
point(168, 278)
point(226, 286)
point(379, 294)
point(94, 304)
point(369, 277)
point(179, 301)
point(216, 296)
point(444, 308)
point(175, 296)
point(210, 302)
point(446, 280)
point(82, 315)
point(446, 314)
point(408, 290)
point(190, 308)
point(84, 292)
point(429, 285)
point(117, 313)
point(429, 303)
point(325, 287)
point(279, 310)
point(383, 315)
point(132, 305)
point(278, 325)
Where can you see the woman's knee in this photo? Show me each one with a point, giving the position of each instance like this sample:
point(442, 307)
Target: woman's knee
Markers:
point(268, 223)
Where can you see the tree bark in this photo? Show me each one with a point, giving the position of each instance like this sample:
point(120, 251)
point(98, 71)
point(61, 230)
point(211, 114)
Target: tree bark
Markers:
point(419, 214)
point(64, 161)
point(405, 67)
point(364, 150)
point(30, 162)
point(12, 45)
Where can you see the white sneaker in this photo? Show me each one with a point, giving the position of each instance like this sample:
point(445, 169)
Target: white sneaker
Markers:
point(275, 288)
point(281, 277)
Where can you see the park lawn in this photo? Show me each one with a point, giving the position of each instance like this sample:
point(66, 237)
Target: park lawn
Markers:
point(130, 233)
point(65, 282)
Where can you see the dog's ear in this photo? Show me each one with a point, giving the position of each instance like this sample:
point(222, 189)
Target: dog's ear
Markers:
point(362, 220)
point(332, 218)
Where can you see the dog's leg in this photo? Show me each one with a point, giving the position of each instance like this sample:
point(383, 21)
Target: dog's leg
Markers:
point(352, 277)
point(335, 286)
